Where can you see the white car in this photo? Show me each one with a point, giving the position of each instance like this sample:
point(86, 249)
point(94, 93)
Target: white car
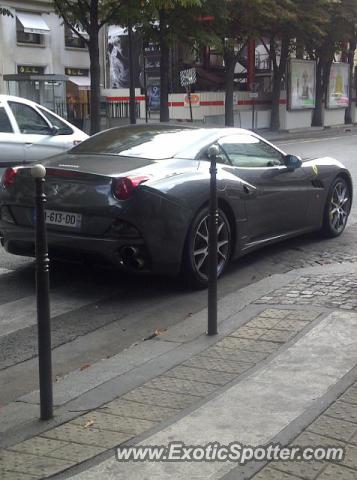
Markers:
point(30, 132)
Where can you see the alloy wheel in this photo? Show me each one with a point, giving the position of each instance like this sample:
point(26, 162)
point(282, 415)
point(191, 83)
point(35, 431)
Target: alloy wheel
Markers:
point(200, 245)
point(339, 207)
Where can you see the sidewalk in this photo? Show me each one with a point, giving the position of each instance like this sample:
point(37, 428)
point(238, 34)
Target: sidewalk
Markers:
point(282, 369)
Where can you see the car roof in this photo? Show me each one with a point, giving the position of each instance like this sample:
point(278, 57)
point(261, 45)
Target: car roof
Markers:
point(12, 98)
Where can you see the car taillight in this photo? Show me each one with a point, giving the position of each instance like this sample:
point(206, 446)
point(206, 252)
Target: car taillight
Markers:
point(123, 187)
point(9, 177)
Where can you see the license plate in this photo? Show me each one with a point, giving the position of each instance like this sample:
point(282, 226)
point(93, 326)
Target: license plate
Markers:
point(65, 219)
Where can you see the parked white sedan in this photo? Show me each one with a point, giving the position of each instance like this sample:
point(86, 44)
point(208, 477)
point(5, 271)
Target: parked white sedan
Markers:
point(30, 132)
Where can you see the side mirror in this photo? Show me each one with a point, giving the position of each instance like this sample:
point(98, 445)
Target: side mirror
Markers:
point(54, 130)
point(292, 162)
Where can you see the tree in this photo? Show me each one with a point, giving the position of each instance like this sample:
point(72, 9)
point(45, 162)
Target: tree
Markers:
point(323, 46)
point(167, 21)
point(86, 18)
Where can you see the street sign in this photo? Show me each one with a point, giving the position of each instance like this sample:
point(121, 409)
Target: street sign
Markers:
point(188, 77)
point(253, 95)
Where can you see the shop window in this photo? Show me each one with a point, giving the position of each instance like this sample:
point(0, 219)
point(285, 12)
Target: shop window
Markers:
point(72, 40)
point(24, 37)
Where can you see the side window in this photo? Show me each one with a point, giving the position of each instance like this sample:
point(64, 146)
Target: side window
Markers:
point(245, 150)
point(63, 129)
point(28, 120)
point(5, 125)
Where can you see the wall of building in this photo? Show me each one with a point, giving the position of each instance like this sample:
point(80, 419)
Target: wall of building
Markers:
point(53, 54)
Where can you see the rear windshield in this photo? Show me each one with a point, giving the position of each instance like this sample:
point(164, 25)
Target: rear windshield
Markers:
point(153, 143)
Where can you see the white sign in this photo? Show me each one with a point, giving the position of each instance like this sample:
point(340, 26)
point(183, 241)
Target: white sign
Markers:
point(188, 77)
point(302, 84)
point(338, 87)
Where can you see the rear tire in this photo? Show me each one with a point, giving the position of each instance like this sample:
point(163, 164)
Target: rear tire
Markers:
point(337, 208)
point(195, 259)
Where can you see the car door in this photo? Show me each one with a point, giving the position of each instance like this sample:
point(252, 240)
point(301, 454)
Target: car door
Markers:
point(35, 132)
point(276, 198)
point(12, 146)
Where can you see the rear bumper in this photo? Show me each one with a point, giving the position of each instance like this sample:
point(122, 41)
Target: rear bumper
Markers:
point(20, 240)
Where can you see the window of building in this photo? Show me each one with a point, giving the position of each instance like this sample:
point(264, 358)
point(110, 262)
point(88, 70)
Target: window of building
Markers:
point(72, 40)
point(30, 28)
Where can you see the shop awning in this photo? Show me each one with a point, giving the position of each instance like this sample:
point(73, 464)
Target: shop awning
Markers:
point(83, 83)
point(33, 23)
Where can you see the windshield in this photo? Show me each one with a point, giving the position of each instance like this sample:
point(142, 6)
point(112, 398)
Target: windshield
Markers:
point(142, 142)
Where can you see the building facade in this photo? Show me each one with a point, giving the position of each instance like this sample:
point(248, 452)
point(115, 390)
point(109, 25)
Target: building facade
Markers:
point(40, 58)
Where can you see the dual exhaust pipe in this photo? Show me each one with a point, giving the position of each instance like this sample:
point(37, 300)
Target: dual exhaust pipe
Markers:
point(132, 258)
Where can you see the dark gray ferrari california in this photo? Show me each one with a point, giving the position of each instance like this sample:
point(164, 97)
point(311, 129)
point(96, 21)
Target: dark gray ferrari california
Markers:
point(137, 197)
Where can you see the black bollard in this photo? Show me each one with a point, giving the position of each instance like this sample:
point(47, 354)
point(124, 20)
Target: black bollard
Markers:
point(213, 152)
point(43, 297)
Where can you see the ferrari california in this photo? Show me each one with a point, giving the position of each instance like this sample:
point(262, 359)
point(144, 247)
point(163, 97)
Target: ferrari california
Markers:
point(137, 197)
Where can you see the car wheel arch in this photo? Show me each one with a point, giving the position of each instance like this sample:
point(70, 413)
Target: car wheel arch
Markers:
point(228, 211)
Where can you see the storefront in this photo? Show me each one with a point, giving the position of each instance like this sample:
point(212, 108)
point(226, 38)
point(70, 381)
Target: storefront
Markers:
point(30, 82)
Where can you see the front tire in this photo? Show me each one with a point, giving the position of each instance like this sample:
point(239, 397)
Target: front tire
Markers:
point(337, 208)
point(195, 261)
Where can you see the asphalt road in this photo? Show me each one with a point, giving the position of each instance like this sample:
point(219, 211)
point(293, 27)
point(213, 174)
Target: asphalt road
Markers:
point(97, 313)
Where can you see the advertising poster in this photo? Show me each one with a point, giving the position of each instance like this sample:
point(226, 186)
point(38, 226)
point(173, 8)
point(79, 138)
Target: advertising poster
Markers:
point(338, 87)
point(302, 84)
point(118, 57)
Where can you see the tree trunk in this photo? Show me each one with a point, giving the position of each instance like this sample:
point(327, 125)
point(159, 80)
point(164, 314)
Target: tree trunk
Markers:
point(230, 63)
point(278, 73)
point(317, 115)
point(322, 78)
point(95, 83)
point(164, 69)
point(351, 56)
point(93, 47)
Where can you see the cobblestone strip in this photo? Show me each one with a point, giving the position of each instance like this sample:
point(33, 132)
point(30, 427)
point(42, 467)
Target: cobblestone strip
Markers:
point(337, 426)
point(155, 401)
point(337, 291)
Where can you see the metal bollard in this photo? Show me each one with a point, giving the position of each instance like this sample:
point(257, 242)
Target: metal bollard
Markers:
point(213, 152)
point(43, 300)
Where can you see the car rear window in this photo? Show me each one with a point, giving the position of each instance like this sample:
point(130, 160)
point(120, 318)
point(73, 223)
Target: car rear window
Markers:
point(141, 142)
point(5, 125)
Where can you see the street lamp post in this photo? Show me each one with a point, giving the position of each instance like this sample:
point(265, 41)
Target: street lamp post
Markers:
point(213, 153)
point(42, 293)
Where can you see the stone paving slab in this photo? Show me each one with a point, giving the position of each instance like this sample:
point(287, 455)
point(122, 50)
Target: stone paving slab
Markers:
point(127, 408)
point(245, 344)
point(86, 436)
point(38, 446)
point(77, 453)
point(6, 475)
point(221, 365)
point(200, 375)
point(235, 356)
point(179, 385)
point(159, 397)
point(115, 423)
point(350, 396)
point(333, 428)
point(343, 411)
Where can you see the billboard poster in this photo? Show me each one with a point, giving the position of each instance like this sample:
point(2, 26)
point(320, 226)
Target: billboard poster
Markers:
point(302, 84)
point(338, 86)
point(118, 57)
